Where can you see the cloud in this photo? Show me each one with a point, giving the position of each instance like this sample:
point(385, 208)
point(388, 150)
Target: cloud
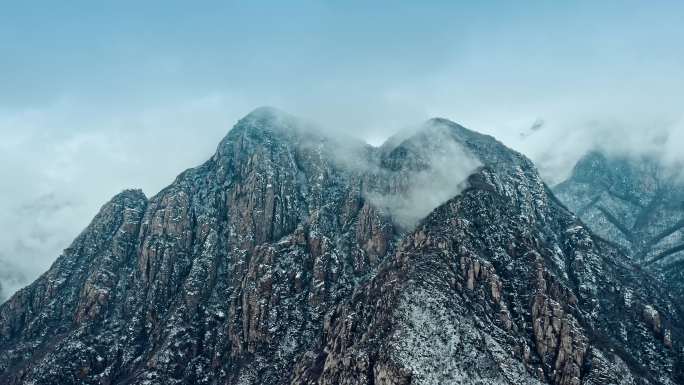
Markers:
point(563, 140)
point(433, 167)
point(436, 171)
point(12, 279)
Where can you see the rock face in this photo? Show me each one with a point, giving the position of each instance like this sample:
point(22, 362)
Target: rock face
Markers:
point(291, 258)
point(636, 203)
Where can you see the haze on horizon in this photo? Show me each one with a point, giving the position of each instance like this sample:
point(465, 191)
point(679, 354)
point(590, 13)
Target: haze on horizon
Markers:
point(101, 97)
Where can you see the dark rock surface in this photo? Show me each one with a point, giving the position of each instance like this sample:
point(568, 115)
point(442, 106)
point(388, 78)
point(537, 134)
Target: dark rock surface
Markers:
point(281, 260)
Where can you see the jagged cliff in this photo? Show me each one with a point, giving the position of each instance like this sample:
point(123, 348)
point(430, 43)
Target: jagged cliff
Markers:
point(294, 258)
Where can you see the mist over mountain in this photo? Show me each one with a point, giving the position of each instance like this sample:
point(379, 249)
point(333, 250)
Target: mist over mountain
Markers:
point(11, 280)
point(296, 257)
point(448, 192)
point(96, 97)
point(46, 205)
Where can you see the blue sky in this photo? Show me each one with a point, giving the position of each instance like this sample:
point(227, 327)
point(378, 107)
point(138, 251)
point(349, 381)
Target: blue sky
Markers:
point(100, 96)
point(329, 60)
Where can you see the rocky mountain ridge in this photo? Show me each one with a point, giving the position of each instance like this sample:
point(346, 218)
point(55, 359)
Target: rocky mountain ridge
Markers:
point(637, 202)
point(294, 258)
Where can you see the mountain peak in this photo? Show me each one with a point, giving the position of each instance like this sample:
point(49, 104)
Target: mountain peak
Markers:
point(133, 194)
point(277, 263)
point(269, 124)
point(443, 135)
point(268, 118)
point(265, 113)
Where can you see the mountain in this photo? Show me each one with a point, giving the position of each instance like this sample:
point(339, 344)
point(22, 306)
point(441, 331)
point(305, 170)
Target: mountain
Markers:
point(638, 204)
point(291, 257)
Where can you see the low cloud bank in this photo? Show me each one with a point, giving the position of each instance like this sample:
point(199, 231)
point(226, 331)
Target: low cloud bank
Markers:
point(437, 170)
point(555, 148)
point(12, 278)
point(57, 178)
